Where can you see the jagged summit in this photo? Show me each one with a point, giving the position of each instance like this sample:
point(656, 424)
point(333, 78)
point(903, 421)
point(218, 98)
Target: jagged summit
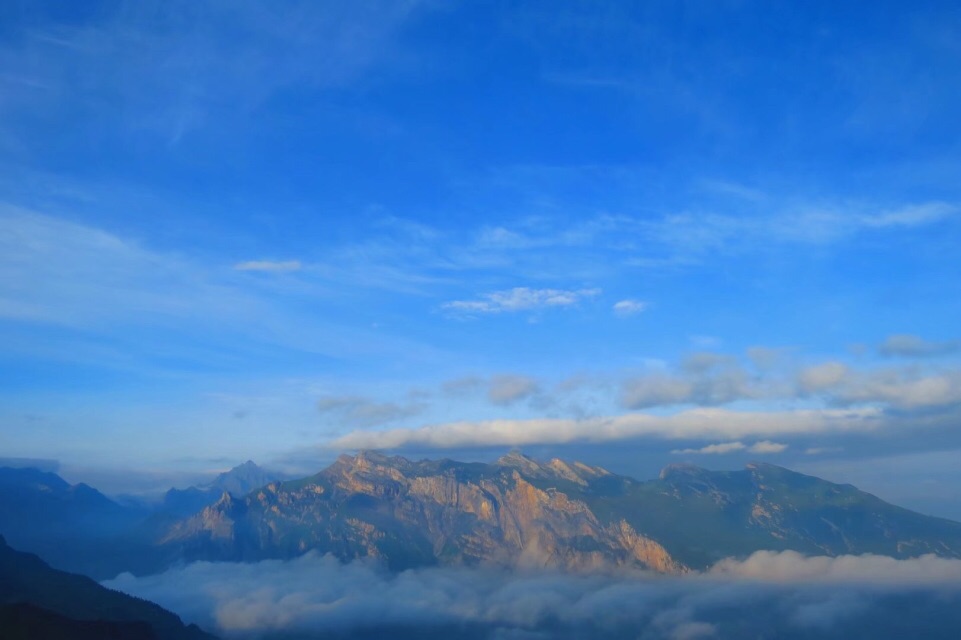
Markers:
point(574, 471)
point(680, 469)
point(515, 458)
point(762, 466)
point(238, 482)
point(368, 459)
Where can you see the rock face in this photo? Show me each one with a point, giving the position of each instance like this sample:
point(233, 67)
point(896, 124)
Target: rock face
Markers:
point(521, 512)
point(511, 513)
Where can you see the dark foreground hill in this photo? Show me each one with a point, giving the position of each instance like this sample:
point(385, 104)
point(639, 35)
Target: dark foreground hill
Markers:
point(518, 511)
point(37, 601)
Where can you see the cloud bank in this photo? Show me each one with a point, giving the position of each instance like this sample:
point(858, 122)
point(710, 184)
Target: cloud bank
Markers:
point(784, 594)
point(686, 425)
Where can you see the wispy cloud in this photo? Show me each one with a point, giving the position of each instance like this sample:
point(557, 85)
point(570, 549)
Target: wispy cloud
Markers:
point(766, 446)
point(505, 389)
point(59, 273)
point(822, 376)
point(521, 299)
point(912, 346)
point(704, 379)
point(358, 411)
point(711, 449)
point(762, 447)
point(628, 307)
point(276, 266)
point(196, 75)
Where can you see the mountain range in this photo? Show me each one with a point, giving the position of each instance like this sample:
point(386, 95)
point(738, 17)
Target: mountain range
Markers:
point(77, 528)
point(518, 511)
point(513, 512)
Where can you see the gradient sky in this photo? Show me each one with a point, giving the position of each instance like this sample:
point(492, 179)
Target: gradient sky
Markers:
point(631, 233)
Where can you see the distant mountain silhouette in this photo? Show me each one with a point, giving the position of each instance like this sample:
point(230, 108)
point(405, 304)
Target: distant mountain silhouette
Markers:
point(238, 482)
point(71, 526)
point(39, 602)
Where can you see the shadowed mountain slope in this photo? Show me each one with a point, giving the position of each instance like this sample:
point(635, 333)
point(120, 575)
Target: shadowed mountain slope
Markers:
point(701, 516)
point(38, 599)
point(71, 526)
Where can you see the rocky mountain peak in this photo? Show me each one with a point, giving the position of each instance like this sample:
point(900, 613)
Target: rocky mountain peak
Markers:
point(518, 460)
point(367, 461)
point(681, 471)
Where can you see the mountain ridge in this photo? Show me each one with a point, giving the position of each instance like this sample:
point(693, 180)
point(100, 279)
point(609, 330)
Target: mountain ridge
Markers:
point(238, 481)
point(514, 511)
point(570, 515)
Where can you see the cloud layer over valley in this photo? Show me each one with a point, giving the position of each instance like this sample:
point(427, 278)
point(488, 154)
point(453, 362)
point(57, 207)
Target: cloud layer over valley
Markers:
point(793, 595)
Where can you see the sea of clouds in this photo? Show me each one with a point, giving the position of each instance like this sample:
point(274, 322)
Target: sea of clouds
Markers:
point(769, 594)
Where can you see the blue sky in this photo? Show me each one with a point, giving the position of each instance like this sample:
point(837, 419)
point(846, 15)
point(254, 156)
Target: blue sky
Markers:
point(637, 233)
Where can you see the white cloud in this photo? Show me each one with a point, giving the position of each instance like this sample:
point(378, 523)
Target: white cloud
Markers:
point(269, 265)
point(686, 425)
point(766, 446)
point(625, 308)
point(901, 389)
point(703, 383)
point(721, 448)
point(521, 299)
